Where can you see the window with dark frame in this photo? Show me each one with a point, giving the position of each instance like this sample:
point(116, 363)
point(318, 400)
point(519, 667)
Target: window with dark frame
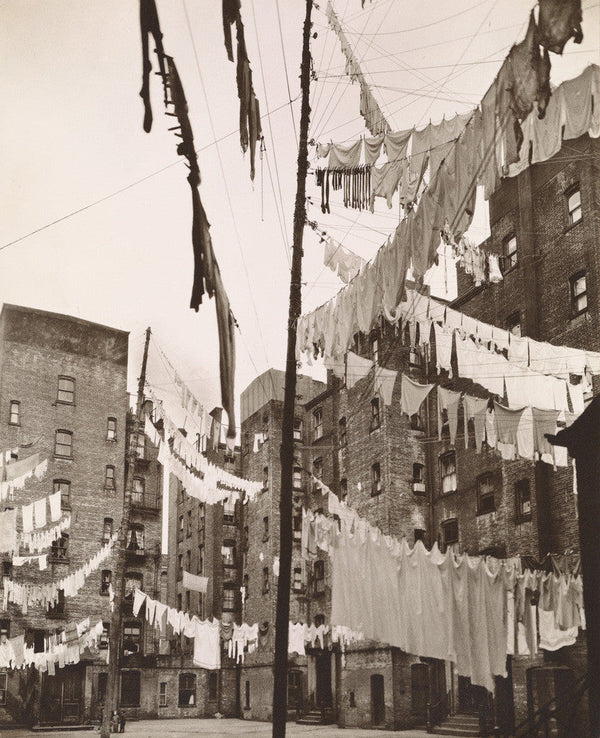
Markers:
point(14, 417)
point(375, 414)
point(343, 430)
point(63, 444)
point(523, 499)
point(265, 583)
point(111, 429)
point(189, 526)
point(297, 584)
point(109, 477)
point(229, 599)
point(247, 696)
point(66, 390)
point(57, 609)
point(374, 346)
point(510, 256)
point(107, 530)
point(130, 689)
point(317, 473)
point(135, 538)
point(266, 528)
point(297, 429)
point(319, 577)
point(104, 637)
point(513, 324)
point(105, 581)
point(419, 534)
point(228, 553)
point(187, 690)
point(60, 548)
point(137, 493)
point(317, 423)
point(449, 532)
point(162, 694)
point(485, 494)
point(3, 687)
point(343, 489)
point(297, 477)
point(229, 509)
point(4, 630)
point(418, 479)
point(64, 487)
point(376, 485)
point(265, 477)
point(573, 196)
point(578, 291)
point(265, 422)
point(132, 637)
point(448, 472)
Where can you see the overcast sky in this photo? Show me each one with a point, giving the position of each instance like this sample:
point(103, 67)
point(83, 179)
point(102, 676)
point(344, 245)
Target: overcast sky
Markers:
point(73, 154)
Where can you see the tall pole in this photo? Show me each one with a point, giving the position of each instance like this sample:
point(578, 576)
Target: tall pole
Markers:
point(116, 619)
point(287, 441)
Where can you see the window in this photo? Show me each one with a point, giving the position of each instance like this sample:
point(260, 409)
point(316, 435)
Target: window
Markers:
point(574, 204)
point(4, 630)
point(57, 610)
point(107, 530)
point(109, 478)
point(133, 580)
point(137, 493)
point(317, 473)
point(229, 509)
point(352, 702)
point(111, 429)
point(180, 565)
point(297, 429)
point(132, 637)
point(343, 489)
point(319, 577)
point(317, 423)
point(189, 526)
point(265, 584)
point(418, 479)
point(297, 584)
point(130, 689)
point(265, 477)
point(419, 534)
point(3, 687)
point(448, 472)
point(513, 324)
point(374, 346)
point(247, 696)
point(266, 528)
point(375, 480)
point(162, 694)
point(343, 432)
point(228, 554)
point(509, 248)
point(180, 601)
point(188, 561)
point(485, 494)
point(375, 416)
point(246, 586)
point(229, 599)
point(63, 444)
point(105, 635)
point(64, 487)
point(319, 619)
point(449, 532)
point(188, 601)
point(523, 499)
point(180, 529)
point(265, 423)
point(135, 538)
point(213, 685)
point(297, 478)
point(105, 581)
point(60, 547)
point(137, 443)
point(66, 390)
point(578, 290)
point(414, 356)
point(200, 559)
point(15, 413)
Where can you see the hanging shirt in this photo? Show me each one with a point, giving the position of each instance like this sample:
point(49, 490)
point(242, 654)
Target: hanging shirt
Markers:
point(443, 348)
point(357, 368)
point(39, 509)
point(413, 395)
point(475, 408)
point(27, 518)
point(384, 383)
point(55, 506)
point(373, 148)
point(449, 401)
point(207, 650)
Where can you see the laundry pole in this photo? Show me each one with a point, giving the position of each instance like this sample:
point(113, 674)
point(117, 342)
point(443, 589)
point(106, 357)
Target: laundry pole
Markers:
point(287, 437)
point(582, 439)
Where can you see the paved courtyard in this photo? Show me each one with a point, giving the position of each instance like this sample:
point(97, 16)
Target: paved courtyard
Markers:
point(211, 728)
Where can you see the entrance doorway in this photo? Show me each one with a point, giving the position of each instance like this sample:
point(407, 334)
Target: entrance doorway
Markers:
point(323, 693)
point(377, 699)
point(61, 698)
point(419, 674)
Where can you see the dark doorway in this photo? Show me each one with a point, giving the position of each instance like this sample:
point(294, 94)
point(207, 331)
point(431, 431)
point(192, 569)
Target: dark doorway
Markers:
point(323, 668)
point(377, 699)
point(466, 695)
point(61, 697)
point(419, 674)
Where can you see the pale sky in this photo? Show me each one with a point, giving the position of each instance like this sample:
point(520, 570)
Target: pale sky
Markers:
point(72, 150)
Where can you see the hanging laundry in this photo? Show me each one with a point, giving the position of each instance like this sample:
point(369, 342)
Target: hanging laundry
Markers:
point(495, 275)
point(373, 149)
point(341, 260)
point(384, 383)
point(27, 511)
point(357, 368)
point(413, 395)
point(395, 145)
point(207, 647)
point(559, 20)
point(149, 25)
point(39, 511)
point(296, 639)
point(475, 409)
point(443, 348)
point(194, 582)
point(345, 156)
point(449, 401)
point(384, 182)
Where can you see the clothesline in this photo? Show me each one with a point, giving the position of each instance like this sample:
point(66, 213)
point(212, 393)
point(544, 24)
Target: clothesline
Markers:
point(25, 595)
point(14, 475)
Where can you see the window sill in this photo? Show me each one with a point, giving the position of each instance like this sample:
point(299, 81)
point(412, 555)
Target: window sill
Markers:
point(510, 269)
point(58, 457)
point(570, 226)
point(579, 317)
point(64, 402)
point(15, 425)
point(374, 428)
point(480, 513)
point(375, 494)
point(111, 440)
point(58, 560)
point(66, 508)
point(448, 494)
point(524, 519)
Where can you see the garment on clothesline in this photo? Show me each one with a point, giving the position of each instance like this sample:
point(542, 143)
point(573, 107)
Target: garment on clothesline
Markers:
point(357, 368)
point(384, 383)
point(475, 409)
point(448, 401)
point(194, 582)
point(559, 20)
point(413, 395)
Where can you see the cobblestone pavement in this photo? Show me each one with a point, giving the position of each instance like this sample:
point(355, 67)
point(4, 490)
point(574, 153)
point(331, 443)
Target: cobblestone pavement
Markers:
point(211, 728)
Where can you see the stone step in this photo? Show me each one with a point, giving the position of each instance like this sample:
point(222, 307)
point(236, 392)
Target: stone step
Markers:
point(446, 729)
point(62, 728)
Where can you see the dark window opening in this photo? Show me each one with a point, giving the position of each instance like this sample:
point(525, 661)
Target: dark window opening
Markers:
point(213, 685)
point(574, 205)
point(418, 479)
point(376, 485)
point(449, 532)
point(578, 291)
point(130, 688)
point(448, 472)
point(485, 494)
point(15, 413)
point(509, 256)
point(375, 414)
point(523, 499)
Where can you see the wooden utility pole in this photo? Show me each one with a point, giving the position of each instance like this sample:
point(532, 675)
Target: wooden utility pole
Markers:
point(582, 439)
point(287, 440)
point(116, 619)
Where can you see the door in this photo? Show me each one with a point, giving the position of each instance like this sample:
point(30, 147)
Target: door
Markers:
point(377, 699)
point(419, 674)
point(466, 695)
point(323, 669)
point(61, 698)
